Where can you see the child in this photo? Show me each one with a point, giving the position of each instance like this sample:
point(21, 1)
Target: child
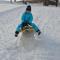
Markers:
point(27, 17)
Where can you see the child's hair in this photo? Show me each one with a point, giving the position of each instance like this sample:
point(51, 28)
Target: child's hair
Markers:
point(28, 8)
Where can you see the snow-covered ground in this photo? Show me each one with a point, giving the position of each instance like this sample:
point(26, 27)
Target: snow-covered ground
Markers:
point(25, 46)
point(5, 6)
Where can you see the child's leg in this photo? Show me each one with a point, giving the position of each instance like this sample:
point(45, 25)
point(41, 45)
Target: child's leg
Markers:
point(35, 28)
point(18, 29)
point(20, 26)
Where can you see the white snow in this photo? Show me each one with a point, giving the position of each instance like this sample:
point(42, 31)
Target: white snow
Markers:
point(25, 46)
point(5, 6)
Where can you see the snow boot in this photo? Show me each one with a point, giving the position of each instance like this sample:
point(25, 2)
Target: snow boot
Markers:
point(16, 33)
point(39, 32)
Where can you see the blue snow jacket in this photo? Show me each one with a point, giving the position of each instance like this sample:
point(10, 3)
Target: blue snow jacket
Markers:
point(27, 17)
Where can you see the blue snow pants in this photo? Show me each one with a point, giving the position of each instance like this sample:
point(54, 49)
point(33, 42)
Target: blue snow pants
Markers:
point(20, 26)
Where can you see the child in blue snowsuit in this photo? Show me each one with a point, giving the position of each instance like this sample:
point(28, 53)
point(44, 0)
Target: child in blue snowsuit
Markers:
point(27, 17)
